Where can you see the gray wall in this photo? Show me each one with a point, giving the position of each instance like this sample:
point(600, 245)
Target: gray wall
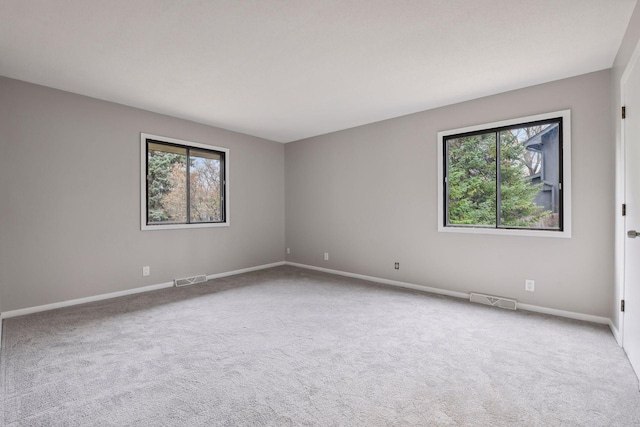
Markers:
point(69, 192)
point(70, 200)
point(628, 45)
point(368, 196)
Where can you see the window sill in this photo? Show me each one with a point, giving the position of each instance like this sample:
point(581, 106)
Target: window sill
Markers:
point(565, 234)
point(183, 226)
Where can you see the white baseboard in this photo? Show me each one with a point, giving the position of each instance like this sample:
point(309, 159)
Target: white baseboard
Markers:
point(563, 313)
point(526, 307)
point(383, 281)
point(245, 270)
point(616, 332)
point(61, 304)
point(463, 295)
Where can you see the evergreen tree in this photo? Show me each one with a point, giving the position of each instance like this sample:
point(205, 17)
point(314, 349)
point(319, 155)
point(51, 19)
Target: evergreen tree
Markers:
point(472, 180)
point(159, 182)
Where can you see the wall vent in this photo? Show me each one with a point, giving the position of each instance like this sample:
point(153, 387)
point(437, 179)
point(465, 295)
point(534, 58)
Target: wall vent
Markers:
point(190, 280)
point(507, 303)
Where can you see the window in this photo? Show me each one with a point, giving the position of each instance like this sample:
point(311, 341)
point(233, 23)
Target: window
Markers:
point(184, 184)
point(510, 177)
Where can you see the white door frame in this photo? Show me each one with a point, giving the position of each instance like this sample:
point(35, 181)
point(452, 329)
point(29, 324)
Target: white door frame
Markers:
point(622, 168)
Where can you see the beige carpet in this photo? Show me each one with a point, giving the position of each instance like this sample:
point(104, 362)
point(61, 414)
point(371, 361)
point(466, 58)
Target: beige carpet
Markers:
point(293, 347)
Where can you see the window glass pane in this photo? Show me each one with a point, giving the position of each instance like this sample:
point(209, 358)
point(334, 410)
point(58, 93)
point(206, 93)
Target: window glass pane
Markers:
point(529, 177)
point(205, 186)
point(471, 180)
point(166, 184)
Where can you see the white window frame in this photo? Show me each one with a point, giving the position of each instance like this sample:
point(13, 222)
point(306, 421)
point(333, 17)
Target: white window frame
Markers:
point(143, 183)
point(566, 178)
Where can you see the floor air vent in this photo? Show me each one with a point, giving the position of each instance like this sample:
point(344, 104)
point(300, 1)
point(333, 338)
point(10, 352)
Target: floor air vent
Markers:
point(190, 280)
point(507, 303)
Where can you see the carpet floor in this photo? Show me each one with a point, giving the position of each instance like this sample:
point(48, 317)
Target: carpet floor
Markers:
point(294, 347)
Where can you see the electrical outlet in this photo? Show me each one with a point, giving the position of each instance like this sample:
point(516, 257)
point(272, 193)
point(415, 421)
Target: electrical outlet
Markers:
point(288, 251)
point(326, 256)
point(529, 285)
point(397, 266)
point(146, 270)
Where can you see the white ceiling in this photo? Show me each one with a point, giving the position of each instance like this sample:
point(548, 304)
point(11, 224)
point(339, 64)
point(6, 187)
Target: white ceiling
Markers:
point(291, 69)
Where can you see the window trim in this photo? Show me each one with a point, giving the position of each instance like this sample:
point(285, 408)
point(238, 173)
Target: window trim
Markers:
point(143, 183)
point(565, 115)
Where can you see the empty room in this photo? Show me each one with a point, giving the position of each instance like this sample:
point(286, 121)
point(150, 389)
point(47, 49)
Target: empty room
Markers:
point(319, 213)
